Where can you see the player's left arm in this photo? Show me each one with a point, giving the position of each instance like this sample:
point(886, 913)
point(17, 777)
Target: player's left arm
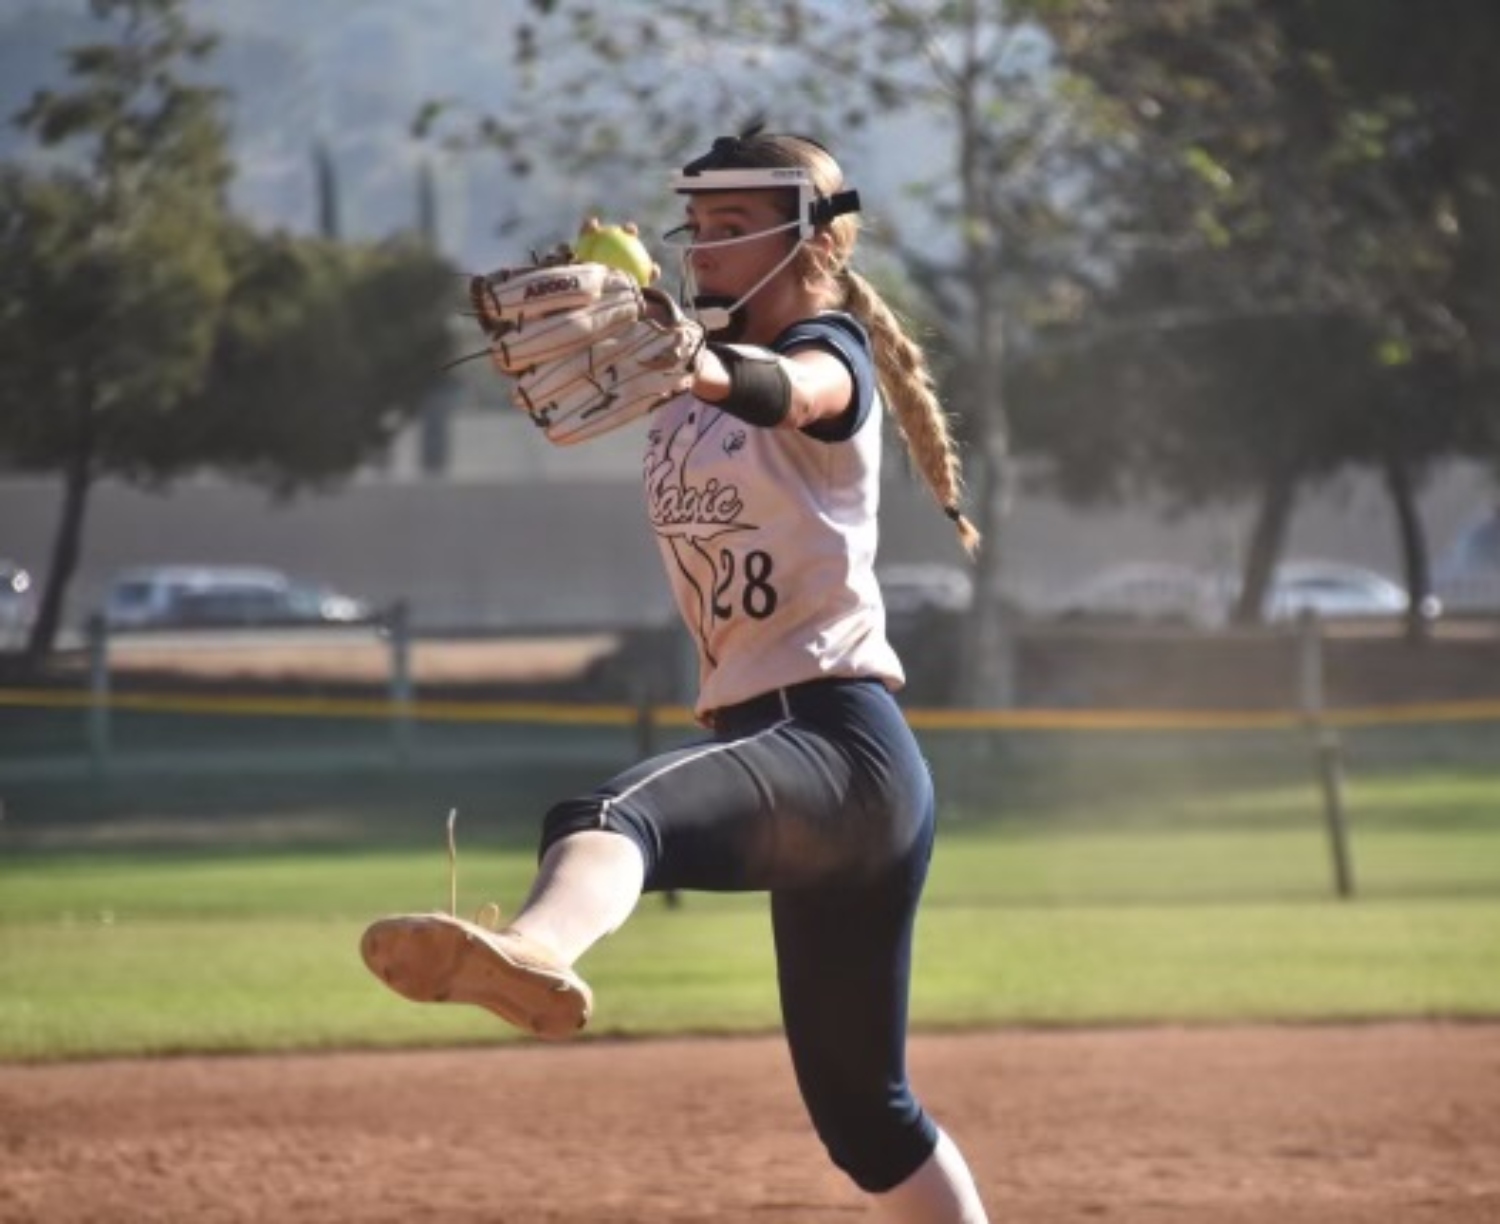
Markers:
point(806, 386)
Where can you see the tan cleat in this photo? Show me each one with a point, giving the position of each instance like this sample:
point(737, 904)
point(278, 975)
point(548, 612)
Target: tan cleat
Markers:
point(435, 958)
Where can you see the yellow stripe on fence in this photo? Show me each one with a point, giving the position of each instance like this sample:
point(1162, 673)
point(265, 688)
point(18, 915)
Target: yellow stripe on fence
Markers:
point(327, 707)
point(563, 713)
point(1101, 720)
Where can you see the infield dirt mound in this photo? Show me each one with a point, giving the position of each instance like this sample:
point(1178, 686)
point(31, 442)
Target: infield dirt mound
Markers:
point(1385, 1124)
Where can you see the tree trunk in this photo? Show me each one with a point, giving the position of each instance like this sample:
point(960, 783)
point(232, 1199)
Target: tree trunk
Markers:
point(988, 678)
point(1414, 559)
point(989, 672)
point(1267, 538)
point(78, 479)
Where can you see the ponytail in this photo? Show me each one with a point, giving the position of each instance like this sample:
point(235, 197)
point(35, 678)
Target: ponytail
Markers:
point(907, 384)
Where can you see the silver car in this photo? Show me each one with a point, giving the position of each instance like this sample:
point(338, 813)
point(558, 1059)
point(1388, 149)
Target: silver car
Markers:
point(224, 596)
point(1335, 590)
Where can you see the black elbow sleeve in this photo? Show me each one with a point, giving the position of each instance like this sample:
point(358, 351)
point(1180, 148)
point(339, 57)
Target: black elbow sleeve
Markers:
point(760, 393)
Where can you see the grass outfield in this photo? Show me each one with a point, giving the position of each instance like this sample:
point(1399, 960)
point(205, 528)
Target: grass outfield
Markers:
point(1055, 921)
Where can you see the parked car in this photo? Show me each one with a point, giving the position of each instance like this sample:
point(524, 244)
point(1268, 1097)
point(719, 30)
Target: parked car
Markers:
point(1467, 576)
point(1146, 592)
point(313, 602)
point(1334, 590)
point(914, 587)
point(221, 596)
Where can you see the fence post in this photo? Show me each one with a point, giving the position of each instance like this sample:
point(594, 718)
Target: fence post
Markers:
point(398, 626)
point(1328, 753)
point(99, 729)
point(1310, 666)
point(645, 718)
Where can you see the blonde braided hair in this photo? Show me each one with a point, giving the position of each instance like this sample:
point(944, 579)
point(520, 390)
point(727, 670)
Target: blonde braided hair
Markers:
point(907, 384)
point(906, 380)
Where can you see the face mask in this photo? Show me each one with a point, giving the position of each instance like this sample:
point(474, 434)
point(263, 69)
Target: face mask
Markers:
point(722, 317)
point(718, 313)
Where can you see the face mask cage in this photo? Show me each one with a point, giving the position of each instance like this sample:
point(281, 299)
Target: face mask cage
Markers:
point(813, 210)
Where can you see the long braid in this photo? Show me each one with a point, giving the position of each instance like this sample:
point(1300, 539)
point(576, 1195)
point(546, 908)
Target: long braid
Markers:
point(907, 383)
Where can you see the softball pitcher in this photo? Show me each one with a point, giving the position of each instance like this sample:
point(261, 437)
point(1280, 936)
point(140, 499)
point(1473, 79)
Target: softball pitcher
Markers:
point(763, 408)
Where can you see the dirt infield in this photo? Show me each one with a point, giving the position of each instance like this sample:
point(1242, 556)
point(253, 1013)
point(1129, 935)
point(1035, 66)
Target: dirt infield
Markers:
point(1386, 1124)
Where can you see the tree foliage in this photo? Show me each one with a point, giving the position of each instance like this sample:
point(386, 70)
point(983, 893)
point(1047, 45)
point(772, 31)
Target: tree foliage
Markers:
point(1270, 196)
point(146, 333)
point(323, 352)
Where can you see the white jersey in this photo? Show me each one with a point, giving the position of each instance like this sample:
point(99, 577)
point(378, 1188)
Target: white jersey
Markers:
point(769, 535)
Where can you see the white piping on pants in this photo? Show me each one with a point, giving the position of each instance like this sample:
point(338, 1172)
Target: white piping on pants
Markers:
point(709, 750)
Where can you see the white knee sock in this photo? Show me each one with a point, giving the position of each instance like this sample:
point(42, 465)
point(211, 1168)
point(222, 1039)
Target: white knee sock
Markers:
point(586, 887)
point(942, 1191)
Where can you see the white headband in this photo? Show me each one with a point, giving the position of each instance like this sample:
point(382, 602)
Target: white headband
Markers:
point(813, 209)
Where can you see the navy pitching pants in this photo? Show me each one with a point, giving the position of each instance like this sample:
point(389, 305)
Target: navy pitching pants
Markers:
point(819, 795)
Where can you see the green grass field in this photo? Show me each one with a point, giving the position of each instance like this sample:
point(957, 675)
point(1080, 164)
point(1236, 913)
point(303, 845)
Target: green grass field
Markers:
point(1211, 909)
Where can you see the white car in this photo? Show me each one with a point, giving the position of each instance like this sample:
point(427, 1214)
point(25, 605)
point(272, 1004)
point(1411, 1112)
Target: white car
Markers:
point(914, 587)
point(1146, 592)
point(1334, 590)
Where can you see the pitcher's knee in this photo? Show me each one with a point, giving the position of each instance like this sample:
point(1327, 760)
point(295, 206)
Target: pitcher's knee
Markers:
point(597, 813)
point(877, 1144)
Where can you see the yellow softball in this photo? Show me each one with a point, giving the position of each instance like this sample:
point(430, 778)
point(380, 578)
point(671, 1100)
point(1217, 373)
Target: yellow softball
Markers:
point(616, 246)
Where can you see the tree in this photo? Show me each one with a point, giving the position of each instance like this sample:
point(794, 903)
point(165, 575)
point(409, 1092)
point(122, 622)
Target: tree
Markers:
point(326, 185)
point(323, 352)
point(1428, 73)
point(1270, 198)
point(146, 333)
point(114, 270)
point(1426, 82)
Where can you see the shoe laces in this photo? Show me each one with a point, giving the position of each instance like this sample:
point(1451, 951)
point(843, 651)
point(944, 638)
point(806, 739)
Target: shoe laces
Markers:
point(488, 914)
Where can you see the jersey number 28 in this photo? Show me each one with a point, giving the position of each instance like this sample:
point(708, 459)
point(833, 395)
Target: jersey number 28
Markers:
point(756, 595)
